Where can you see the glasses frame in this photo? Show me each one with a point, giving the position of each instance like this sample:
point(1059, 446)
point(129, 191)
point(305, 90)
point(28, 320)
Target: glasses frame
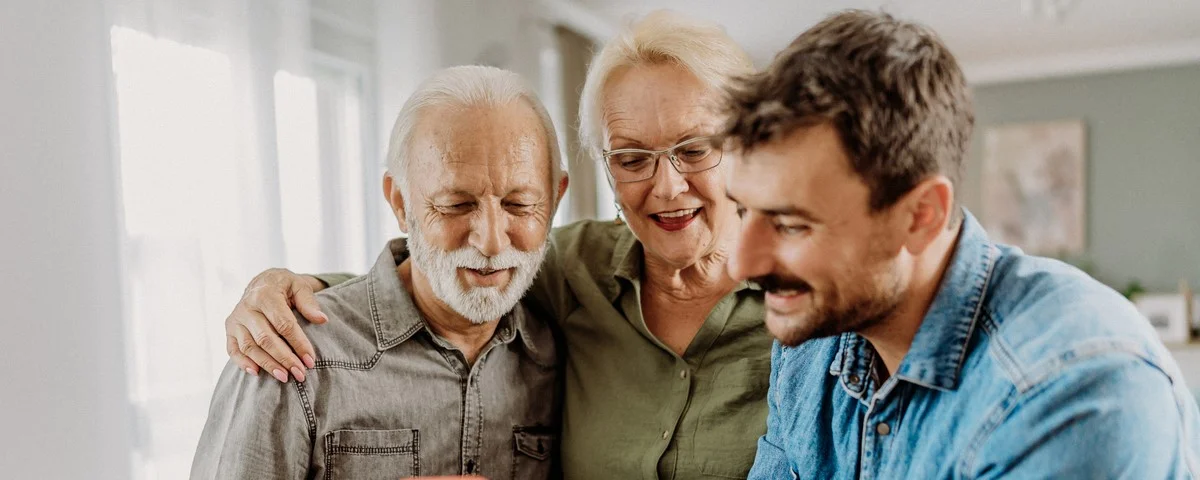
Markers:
point(655, 154)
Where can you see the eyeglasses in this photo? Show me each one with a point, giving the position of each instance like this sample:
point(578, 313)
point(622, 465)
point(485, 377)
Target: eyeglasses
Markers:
point(628, 165)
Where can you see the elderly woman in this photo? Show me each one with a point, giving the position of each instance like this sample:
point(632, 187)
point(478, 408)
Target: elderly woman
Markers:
point(668, 358)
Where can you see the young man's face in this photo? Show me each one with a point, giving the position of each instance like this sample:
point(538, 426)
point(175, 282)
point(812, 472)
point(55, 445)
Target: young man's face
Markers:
point(828, 263)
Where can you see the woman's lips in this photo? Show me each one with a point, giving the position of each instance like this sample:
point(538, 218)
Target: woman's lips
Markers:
point(675, 220)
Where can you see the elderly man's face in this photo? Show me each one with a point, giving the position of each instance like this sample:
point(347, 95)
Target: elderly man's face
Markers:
point(479, 205)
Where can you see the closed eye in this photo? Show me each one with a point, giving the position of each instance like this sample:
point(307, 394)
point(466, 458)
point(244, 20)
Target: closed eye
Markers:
point(785, 229)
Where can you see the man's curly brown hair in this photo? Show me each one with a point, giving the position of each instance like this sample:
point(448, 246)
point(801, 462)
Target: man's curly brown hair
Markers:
point(892, 90)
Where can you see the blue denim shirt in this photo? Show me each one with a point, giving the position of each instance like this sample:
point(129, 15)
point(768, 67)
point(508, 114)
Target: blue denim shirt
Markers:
point(1024, 367)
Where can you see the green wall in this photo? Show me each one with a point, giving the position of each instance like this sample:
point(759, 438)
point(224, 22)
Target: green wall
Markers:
point(1143, 166)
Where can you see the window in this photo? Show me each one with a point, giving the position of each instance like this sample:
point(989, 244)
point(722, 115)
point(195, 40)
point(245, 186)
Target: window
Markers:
point(213, 191)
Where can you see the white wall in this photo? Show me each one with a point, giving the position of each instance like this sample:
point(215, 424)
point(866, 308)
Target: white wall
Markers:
point(418, 37)
point(63, 407)
point(415, 38)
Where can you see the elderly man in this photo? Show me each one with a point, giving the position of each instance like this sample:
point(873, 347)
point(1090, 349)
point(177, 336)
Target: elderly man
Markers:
point(432, 367)
point(911, 345)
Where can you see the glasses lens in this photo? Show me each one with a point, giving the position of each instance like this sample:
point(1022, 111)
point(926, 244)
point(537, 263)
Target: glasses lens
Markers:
point(631, 166)
point(697, 156)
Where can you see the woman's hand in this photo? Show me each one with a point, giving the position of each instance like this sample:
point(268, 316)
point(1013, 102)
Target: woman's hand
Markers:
point(253, 331)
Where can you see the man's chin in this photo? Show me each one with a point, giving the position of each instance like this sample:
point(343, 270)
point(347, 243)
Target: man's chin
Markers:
point(788, 330)
point(792, 330)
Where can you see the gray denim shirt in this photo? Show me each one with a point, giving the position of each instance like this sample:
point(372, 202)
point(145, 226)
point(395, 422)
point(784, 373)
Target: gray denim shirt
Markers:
point(390, 399)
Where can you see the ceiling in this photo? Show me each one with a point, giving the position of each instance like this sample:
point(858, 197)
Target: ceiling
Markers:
point(993, 39)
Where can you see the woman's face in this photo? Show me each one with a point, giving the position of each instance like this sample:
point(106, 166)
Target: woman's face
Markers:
point(679, 218)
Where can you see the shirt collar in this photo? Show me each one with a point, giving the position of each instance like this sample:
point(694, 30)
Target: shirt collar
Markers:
point(397, 318)
point(627, 264)
point(939, 348)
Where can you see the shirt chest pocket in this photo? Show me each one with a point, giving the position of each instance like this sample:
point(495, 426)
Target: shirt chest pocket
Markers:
point(372, 454)
point(535, 450)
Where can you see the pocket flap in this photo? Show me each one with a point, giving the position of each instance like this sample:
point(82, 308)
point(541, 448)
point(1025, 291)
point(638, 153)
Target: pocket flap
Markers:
point(394, 441)
point(535, 444)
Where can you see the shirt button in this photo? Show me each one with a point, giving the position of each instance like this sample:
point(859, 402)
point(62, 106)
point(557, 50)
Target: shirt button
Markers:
point(666, 434)
point(853, 379)
point(683, 374)
point(883, 429)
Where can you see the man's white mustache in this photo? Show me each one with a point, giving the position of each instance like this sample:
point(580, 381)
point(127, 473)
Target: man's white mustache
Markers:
point(469, 257)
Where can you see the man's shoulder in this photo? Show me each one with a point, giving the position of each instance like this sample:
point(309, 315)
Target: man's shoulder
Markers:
point(1043, 316)
point(350, 333)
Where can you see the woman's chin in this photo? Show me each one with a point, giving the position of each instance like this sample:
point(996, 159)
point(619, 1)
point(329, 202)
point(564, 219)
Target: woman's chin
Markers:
point(673, 256)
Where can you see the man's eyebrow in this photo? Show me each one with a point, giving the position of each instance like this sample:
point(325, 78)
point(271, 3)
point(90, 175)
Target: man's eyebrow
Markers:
point(783, 211)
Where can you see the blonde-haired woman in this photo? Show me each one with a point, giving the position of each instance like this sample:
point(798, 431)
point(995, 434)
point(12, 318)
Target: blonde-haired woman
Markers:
point(668, 358)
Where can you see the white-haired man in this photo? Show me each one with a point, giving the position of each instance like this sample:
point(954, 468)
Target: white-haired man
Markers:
point(432, 367)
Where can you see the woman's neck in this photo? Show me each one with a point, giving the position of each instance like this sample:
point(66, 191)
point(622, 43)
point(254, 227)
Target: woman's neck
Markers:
point(707, 278)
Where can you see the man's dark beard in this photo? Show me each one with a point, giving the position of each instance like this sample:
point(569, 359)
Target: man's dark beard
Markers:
point(828, 320)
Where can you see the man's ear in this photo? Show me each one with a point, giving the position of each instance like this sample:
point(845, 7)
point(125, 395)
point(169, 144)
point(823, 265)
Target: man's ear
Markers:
point(395, 198)
point(928, 208)
point(562, 190)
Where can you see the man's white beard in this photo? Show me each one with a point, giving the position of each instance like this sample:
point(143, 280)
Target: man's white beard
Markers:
point(477, 304)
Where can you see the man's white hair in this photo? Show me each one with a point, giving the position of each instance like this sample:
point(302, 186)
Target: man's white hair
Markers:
point(661, 37)
point(466, 86)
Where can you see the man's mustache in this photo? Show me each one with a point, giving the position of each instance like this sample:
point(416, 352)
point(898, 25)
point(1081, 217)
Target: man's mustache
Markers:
point(776, 283)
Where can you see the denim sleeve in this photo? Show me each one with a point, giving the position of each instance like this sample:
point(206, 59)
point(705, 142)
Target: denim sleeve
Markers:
point(771, 461)
point(256, 429)
point(1110, 417)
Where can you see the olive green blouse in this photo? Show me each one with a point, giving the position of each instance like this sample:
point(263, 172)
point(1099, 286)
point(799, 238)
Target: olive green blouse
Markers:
point(634, 409)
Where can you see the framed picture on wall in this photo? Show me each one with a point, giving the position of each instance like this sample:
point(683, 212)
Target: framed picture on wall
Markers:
point(1035, 186)
point(1168, 314)
point(1196, 317)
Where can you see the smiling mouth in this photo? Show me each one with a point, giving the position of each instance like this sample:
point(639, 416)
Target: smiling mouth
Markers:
point(675, 216)
point(483, 272)
point(789, 292)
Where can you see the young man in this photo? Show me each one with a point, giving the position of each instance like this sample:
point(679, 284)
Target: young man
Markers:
point(910, 345)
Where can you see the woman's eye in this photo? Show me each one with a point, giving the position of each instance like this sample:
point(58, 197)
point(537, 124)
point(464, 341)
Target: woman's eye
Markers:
point(632, 162)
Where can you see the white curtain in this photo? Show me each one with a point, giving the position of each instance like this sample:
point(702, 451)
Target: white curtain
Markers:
point(227, 166)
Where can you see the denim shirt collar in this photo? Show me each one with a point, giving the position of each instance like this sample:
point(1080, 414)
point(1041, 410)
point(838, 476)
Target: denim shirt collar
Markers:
point(939, 348)
point(396, 317)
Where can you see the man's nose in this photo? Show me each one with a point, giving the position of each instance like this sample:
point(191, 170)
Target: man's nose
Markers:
point(752, 257)
point(489, 230)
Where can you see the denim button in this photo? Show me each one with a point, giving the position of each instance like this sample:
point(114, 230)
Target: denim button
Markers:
point(853, 379)
point(883, 429)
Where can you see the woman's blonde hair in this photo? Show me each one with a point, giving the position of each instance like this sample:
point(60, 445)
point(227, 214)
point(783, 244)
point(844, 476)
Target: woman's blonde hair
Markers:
point(661, 37)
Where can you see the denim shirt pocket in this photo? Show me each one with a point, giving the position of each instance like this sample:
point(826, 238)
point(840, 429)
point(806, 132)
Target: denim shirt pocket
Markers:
point(534, 449)
point(371, 454)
